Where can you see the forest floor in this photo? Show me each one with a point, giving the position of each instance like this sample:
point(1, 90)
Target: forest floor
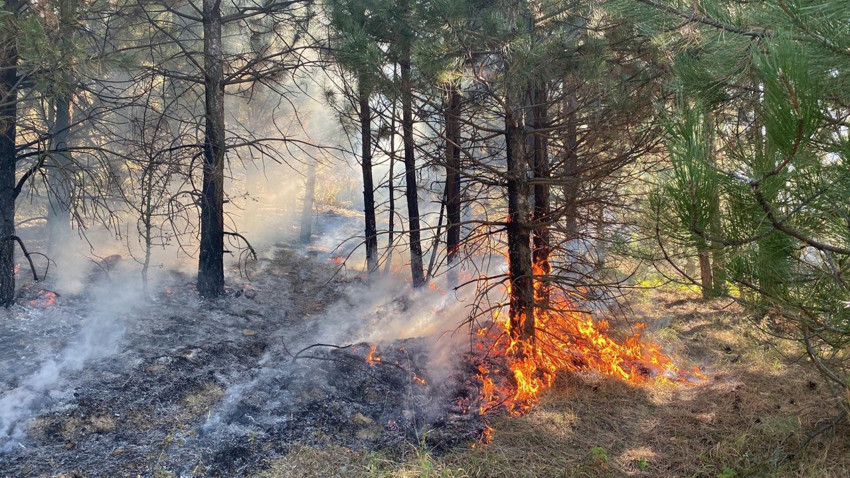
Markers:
point(111, 383)
point(760, 403)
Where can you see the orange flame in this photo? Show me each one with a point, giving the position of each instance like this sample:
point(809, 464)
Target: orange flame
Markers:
point(565, 340)
point(371, 358)
point(43, 299)
point(418, 379)
point(338, 259)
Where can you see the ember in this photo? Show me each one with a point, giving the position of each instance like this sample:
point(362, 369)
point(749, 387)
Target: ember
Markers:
point(44, 298)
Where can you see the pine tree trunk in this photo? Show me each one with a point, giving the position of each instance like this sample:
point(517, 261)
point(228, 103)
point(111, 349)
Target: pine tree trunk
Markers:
point(58, 180)
point(211, 260)
point(707, 283)
point(453, 201)
point(307, 206)
point(391, 186)
point(540, 217)
point(571, 178)
point(8, 123)
point(718, 274)
point(59, 194)
point(521, 308)
point(368, 185)
point(416, 263)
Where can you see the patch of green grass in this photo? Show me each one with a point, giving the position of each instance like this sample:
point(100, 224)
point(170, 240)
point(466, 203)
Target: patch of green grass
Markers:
point(599, 454)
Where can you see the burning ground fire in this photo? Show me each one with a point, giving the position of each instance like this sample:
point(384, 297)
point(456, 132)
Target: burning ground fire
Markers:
point(372, 358)
point(514, 373)
point(43, 299)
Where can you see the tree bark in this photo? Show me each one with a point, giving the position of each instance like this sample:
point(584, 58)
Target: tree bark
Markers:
point(59, 194)
point(59, 184)
point(371, 229)
point(453, 170)
point(307, 206)
point(8, 157)
point(718, 274)
point(571, 179)
point(416, 263)
point(521, 309)
point(707, 282)
point(211, 259)
point(391, 185)
point(540, 216)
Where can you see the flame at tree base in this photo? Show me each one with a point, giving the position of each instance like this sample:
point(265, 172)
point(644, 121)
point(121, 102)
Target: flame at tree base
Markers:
point(513, 373)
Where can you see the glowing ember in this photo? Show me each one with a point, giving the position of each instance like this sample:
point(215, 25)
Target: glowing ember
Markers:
point(371, 358)
point(43, 299)
point(418, 379)
point(17, 268)
point(565, 340)
point(338, 259)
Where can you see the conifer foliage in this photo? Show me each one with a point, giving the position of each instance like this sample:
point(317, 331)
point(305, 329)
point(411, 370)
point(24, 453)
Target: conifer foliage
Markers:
point(758, 142)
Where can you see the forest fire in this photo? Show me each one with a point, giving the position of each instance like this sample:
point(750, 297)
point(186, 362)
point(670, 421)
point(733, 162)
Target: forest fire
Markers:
point(565, 340)
point(43, 299)
point(372, 358)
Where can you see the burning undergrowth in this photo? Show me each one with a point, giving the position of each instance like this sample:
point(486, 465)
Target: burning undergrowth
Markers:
point(177, 385)
point(514, 371)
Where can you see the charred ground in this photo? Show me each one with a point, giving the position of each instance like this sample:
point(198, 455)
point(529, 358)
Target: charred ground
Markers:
point(184, 387)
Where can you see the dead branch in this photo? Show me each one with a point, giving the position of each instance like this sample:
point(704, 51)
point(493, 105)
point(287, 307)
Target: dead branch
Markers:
point(298, 354)
point(27, 255)
point(252, 253)
point(831, 424)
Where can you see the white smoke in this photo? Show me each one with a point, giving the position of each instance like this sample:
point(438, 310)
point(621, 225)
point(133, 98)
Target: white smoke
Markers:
point(99, 336)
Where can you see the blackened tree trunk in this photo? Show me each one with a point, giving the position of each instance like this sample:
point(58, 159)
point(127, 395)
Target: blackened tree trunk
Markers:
point(8, 157)
point(391, 189)
point(416, 264)
point(571, 177)
point(540, 216)
point(453, 203)
point(211, 260)
point(307, 206)
point(521, 310)
point(59, 194)
point(368, 184)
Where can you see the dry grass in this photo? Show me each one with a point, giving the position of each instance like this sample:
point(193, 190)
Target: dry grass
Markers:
point(755, 410)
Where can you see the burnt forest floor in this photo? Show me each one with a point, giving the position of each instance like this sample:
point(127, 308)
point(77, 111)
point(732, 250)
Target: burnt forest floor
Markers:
point(109, 382)
point(759, 404)
point(299, 353)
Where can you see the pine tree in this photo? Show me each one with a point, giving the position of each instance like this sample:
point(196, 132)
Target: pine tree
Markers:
point(775, 75)
point(354, 46)
point(9, 86)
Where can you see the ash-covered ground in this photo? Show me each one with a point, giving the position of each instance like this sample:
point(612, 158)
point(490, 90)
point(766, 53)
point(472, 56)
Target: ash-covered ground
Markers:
point(112, 383)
